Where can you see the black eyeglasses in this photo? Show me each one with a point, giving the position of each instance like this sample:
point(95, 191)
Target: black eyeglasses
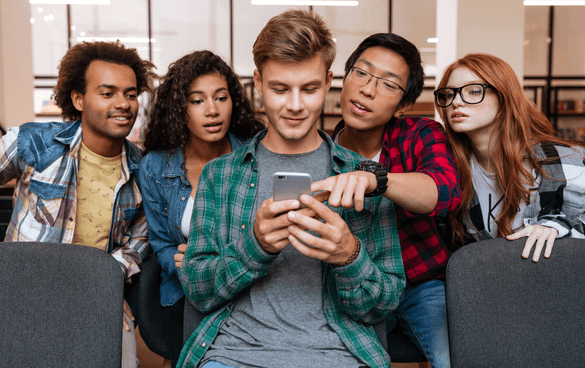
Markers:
point(386, 86)
point(472, 94)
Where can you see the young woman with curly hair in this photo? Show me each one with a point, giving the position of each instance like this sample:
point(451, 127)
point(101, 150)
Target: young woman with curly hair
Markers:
point(517, 179)
point(200, 113)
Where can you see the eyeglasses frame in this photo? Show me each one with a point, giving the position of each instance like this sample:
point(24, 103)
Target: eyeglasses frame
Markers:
point(459, 90)
point(377, 78)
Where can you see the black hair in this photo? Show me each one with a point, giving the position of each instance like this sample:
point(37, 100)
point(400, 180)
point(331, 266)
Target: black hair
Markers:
point(402, 47)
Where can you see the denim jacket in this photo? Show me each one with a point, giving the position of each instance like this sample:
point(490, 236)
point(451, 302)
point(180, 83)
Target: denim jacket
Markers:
point(44, 158)
point(166, 189)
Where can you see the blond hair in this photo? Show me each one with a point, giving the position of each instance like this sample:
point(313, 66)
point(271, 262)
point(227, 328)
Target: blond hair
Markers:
point(294, 36)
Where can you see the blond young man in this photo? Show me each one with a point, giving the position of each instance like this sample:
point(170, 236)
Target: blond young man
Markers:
point(279, 285)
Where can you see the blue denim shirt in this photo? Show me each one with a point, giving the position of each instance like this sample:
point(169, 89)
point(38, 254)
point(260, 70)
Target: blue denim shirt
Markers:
point(165, 190)
point(44, 158)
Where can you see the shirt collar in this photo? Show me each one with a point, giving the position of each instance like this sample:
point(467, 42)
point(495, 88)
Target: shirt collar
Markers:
point(339, 155)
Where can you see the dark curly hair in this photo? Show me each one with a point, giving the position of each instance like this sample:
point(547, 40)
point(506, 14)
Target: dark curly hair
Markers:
point(74, 65)
point(167, 128)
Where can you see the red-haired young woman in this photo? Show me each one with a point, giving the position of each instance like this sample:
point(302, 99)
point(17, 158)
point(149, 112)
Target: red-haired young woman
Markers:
point(517, 178)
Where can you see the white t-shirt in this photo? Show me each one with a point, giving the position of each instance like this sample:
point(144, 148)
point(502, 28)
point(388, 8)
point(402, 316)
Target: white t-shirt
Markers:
point(491, 198)
point(186, 219)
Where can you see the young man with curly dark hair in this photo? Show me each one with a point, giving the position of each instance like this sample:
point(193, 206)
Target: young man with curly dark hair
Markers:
point(76, 181)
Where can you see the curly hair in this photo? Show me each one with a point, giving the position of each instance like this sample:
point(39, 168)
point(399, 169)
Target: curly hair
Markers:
point(167, 128)
point(76, 61)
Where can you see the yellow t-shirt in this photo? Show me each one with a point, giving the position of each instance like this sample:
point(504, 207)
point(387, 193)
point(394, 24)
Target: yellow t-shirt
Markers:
point(97, 178)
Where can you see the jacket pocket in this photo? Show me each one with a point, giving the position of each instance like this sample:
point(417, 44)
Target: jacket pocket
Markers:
point(45, 201)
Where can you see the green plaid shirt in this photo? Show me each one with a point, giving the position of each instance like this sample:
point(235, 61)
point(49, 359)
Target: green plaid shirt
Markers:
point(223, 257)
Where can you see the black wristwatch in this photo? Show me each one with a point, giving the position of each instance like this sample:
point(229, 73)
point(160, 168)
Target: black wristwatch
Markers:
point(380, 171)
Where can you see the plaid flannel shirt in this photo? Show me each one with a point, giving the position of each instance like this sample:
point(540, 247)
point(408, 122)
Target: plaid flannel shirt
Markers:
point(44, 158)
point(223, 257)
point(560, 201)
point(420, 145)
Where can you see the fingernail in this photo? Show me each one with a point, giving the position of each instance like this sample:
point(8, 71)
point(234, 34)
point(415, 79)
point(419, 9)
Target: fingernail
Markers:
point(304, 198)
point(296, 204)
point(291, 228)
point(311, 213)
point(291, 215)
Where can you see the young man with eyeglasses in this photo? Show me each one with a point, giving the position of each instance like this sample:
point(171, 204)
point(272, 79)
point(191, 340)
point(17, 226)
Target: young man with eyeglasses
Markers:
point(384, 77)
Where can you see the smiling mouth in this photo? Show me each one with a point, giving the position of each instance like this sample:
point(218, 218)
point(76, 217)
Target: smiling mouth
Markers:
point(360, 107)
point(120, 118)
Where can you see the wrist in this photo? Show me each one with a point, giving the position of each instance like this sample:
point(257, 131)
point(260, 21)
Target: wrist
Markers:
point(354, 254)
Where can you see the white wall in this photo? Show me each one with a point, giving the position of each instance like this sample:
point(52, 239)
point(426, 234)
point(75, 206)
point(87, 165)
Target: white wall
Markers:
point(16, 69)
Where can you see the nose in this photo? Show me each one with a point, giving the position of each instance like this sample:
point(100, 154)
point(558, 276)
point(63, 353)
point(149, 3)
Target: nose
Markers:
point(121, 102)
point(369, 89)
point(295, 101)
point(211, 109)
point(458, 101)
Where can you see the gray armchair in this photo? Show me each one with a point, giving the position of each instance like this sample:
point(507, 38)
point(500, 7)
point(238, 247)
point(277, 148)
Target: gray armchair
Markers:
point(61, 305)
point(506, 311)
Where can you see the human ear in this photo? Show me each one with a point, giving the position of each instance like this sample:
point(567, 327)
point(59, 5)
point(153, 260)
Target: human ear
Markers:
point(258, 81)
point(77, 99)
point(402, 108)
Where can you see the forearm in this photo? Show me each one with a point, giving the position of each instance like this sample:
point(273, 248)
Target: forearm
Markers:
point(372, 284)
point(366, 292)
point(211, 277)
point(415, 192)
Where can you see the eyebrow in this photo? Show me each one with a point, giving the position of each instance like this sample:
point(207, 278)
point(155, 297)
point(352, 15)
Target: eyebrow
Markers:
point(316, 83)
point(201, 92)
point(466, 83)
point(385, 72)
point(111, 86)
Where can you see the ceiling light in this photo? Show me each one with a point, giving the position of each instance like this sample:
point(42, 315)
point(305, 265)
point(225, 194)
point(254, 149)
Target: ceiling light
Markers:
point(553, 2)
point(432, 40)
point(306, 2)
point(114, 39)
point(72, 2)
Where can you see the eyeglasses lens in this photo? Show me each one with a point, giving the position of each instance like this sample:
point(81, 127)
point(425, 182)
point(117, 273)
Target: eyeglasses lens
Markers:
point(383, 86)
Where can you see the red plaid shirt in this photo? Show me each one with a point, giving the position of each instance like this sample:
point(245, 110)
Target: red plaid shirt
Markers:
point(413, 144)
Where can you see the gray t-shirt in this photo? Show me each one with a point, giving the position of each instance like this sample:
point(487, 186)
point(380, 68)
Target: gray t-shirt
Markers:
point(279, 321)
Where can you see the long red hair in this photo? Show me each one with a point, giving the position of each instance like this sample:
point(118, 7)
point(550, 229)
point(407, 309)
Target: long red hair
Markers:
point(519, 125)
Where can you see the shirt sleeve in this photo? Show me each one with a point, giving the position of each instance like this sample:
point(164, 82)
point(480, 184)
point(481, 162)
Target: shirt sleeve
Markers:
point(215, 269)
point(370, 287)
point(161, 241)
point(562, 193)
point(134, 247)
point(435, 158)
point(9, 163)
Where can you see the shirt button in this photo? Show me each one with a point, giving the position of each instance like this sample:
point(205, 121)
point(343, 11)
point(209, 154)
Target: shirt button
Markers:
point(203, 344)
point(345, 302)
point(336, 275)
point(251, 185)
point(244, 227)
point(165, 210)
point(183, 199)
point(176, 227)
point(70, 218)
point(228, 308)
point(252, 160)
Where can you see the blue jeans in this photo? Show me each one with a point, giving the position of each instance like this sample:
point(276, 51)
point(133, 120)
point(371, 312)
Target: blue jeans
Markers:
point(422, 317)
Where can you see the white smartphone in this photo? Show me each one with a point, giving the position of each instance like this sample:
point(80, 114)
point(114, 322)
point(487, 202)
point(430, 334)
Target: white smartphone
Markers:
point(290, 185)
